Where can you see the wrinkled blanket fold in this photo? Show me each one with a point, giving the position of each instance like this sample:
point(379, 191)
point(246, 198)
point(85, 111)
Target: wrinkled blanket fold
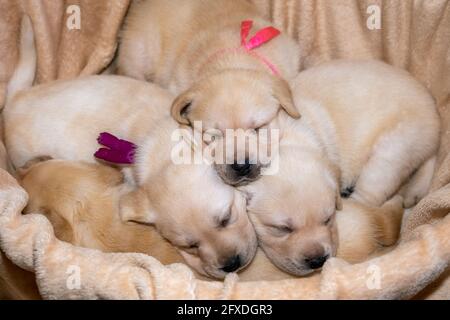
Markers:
point(414, 35)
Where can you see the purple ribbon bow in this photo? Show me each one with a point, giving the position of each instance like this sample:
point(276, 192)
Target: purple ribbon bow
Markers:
point(116, 151)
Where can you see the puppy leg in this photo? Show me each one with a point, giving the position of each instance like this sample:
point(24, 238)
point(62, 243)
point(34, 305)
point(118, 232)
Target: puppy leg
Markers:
point(388, 221)
point(363, 229)
point(419, 184)
point(356, 231)
point(394, 158)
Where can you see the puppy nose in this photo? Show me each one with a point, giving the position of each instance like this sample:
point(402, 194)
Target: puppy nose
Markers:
point(232, 264)
point(316, 262)
point(242, 169)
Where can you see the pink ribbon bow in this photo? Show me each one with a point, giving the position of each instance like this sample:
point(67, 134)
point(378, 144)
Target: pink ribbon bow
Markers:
point(116, 151)
point(261, 37)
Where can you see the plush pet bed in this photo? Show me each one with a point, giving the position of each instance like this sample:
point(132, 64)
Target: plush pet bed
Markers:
point(414, 35)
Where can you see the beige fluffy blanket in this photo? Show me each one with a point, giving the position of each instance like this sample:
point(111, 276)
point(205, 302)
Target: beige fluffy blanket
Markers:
point(414, 35)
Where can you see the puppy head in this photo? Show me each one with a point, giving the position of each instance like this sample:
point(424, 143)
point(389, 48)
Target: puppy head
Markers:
point(294, 215)
point(235, 99)
point(62, 190)
point(199, 214)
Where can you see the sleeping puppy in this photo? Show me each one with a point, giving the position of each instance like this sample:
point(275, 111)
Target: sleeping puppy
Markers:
point(299, 228)
point(63, 119)
point(188, 203)
point(376, 124)
point(194, 48)
point(366, 128)
point(82, 201)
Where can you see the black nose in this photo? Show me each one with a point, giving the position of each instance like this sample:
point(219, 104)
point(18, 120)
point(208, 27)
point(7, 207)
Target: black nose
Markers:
point(242, 169)
point(232, 264)
point(316, 262)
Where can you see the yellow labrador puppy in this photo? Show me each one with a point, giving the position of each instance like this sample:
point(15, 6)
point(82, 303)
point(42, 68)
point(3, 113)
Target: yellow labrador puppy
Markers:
point(82, 201)
point(207, 53)
point(376, 123)
point(366, 128)
point(188, 203)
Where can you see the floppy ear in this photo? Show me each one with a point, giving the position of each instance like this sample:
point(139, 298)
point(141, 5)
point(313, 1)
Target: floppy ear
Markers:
point(181, 107)
point(135, 207)
point(283, 93)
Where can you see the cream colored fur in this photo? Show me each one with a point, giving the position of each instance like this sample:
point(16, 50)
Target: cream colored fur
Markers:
point(82, 202)
point(188, 47)
point(173, 43)
point(186, 202)
point(366, 127)
point(376, 123)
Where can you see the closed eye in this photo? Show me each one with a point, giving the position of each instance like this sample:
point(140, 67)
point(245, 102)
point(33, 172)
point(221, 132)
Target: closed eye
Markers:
point(213, 134)
point(281, 230)
point(264, 126)
point(191, 247)
point(328, 220)
point(194, 245)
point(224, 221)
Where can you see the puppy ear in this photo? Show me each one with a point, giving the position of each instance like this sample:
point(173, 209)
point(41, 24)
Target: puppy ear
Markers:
point(283, 93)
point(135, 207)
point(181, 107)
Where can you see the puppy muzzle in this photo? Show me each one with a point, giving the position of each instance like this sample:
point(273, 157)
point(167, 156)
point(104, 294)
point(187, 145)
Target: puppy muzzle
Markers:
point(237, 174)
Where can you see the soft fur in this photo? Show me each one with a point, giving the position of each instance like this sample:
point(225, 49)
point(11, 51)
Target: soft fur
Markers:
point(188, 203)
point(327, 30)
point(82, 202)
point(184, 45)
point(366, 128)
point(375, 123)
